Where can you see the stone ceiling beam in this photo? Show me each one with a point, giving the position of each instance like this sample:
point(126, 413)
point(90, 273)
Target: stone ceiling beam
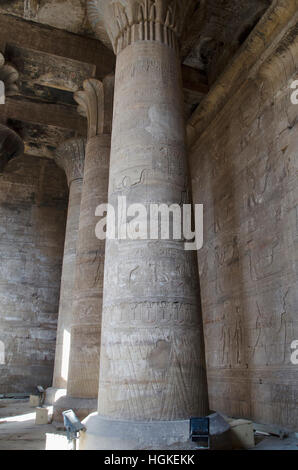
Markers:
point(31, 35)
point(44, 113)
point(28, 34)
point(194, 80)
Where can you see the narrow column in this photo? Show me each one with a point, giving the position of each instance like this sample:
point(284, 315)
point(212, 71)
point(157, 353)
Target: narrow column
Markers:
point(152, 369)
point(96, 102)
point(70, 157)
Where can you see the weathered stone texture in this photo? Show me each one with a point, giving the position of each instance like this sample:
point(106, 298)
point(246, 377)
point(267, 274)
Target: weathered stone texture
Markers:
point(70, 156)
point(152, 360)
point(87, 296)
point(11, 145)
point(66, 14)
point(33, 196)
point(96, 102)
point(244, 171)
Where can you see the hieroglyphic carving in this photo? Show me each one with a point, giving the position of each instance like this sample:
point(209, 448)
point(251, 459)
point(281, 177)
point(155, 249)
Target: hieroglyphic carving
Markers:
point(164, 72)
point(70, 156)
point(152, 163)
point(128, 21)
point(161, 385)
point(95, 102)
point(152, 314)
point(141, 278)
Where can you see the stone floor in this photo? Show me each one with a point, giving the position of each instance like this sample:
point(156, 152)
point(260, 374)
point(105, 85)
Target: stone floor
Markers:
point(274, 443)
point(18, 431)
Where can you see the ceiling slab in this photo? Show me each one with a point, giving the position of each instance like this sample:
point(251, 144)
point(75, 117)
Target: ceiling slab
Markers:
point(30, 35)
point(48, 70)
point(64, 117)
point(40, 139)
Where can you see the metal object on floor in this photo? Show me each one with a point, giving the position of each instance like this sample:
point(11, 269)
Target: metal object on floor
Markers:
point(199, 430)
point(73, 426)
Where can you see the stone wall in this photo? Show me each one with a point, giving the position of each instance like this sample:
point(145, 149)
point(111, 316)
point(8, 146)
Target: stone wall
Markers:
point(244, 171)
point(33, 203)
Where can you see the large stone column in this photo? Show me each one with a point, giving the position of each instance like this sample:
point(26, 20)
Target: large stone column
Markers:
point(70, 157)
point(96, 102)
point(152, 367)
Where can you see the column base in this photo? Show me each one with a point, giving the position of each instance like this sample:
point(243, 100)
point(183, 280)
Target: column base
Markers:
point(53, 394)
point(81, 406)
point(106, 434)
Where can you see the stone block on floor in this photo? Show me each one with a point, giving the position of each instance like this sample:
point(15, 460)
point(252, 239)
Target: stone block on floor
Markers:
point(34, 400)
point(242, 434)
point(42, 416)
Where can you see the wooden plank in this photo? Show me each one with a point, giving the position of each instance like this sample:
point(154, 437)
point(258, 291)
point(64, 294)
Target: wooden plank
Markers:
point(44, 113)
point(47, 39)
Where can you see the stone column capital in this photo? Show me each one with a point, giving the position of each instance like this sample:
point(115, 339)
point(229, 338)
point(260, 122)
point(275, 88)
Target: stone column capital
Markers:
point(9, 76)
point(70, 156)
point(11, 145)
point(96, 103)
point(128, 21)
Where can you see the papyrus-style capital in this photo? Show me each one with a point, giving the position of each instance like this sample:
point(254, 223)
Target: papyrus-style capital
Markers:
point(11, 145)
point(70, 156)
point(128, 21)
point(96, 103)
point(9, 76)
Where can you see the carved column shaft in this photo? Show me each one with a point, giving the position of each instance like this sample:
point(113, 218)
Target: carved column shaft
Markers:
point(151, 360)
point(152, 352)
point(96, 101)
point(70, 157)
